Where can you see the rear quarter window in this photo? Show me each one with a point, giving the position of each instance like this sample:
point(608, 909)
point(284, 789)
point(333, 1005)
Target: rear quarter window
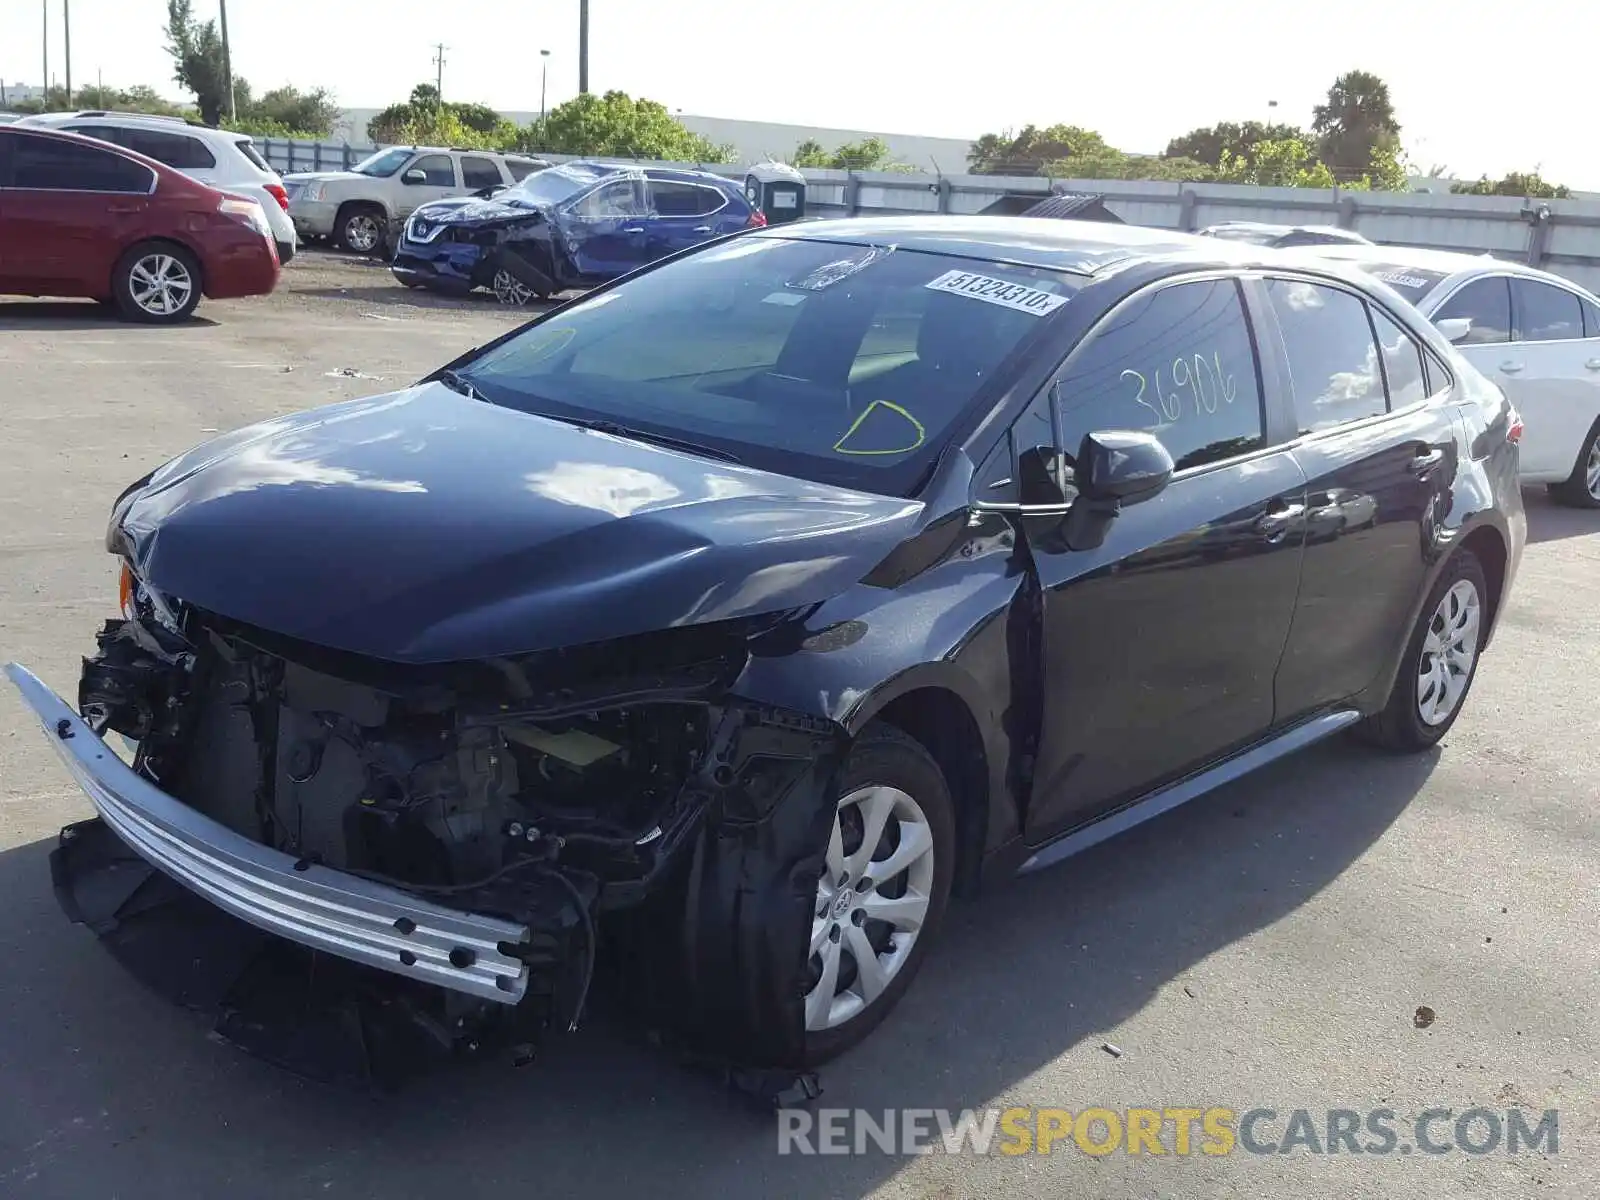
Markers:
point(248, 149)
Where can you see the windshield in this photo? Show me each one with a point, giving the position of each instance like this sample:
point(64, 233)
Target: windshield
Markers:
point(840, 363)
point(550, 186)
point(383, 163)
point(1411, 282)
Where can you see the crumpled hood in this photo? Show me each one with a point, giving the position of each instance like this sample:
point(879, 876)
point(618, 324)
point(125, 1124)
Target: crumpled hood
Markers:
point(423, 526)
point(470, 210)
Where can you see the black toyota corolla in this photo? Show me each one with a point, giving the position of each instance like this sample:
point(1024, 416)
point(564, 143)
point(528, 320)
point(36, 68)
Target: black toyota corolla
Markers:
point(729, 619)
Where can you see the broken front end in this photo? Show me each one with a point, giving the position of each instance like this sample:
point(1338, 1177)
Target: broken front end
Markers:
point(485, 833)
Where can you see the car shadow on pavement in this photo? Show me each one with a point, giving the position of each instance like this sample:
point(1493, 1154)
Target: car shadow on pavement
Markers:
point(1551, 522)
point(113, 1091)
point(74, 315)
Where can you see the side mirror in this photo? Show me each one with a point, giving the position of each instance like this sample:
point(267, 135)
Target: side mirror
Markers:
point(1122, 467)
point(414, 176)
point(1455, 328)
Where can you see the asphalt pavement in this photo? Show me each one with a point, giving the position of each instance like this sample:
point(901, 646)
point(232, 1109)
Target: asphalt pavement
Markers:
point(1266, 947)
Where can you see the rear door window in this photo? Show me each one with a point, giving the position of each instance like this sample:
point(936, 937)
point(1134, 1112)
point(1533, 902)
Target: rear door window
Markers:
point(673, 199)
point(1545, 313)
point(1402, 363)
point(176, 150)
point(1177, 362)
point(521, 168)
point(479, 173)
point(1487, 302)
point(47, 164)
point(1332, 354)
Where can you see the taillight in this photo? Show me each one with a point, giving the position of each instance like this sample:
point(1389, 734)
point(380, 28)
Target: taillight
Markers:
point(280, 194)
point(757, 220)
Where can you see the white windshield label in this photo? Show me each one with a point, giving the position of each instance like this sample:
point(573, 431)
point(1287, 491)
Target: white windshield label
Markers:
point(1399, 279)
point(998, 291)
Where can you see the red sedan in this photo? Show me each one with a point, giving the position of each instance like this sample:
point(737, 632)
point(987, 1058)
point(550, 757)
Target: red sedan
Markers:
point(81, 217)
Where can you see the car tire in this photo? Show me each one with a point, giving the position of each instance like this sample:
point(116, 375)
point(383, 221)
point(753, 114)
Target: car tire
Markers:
point(156, 283)
point(361, 229)
point(1581, 489)
point(1440, 662)
point(890, 773)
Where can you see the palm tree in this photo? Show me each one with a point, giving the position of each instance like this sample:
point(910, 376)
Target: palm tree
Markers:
point(1357, 120)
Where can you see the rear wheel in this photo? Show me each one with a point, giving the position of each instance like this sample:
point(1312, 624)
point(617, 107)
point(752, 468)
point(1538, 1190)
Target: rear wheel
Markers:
point(157, 283)
point(1440, 662)
point(360, 228)
point(1581, 489)
point(884, 886)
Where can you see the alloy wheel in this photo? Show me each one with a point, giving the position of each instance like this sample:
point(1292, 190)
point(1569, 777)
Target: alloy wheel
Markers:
point(160, 284)
point(1591, 469)
point(361, 233)
point(1449, 650)
point(872, 901)
point(508, 289)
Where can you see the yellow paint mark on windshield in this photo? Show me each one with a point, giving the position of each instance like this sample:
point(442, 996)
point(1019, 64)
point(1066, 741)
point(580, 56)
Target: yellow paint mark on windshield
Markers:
point(919, 434)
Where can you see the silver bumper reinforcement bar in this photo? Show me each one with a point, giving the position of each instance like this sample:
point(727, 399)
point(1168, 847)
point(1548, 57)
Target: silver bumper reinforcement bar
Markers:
point(316, 906)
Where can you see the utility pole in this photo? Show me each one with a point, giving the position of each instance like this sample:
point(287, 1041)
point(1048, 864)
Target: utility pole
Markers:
point(44, 73)
point(583, 47)
point(438, 62)
point(544, 76)
point(66, 26)
point(227, 62)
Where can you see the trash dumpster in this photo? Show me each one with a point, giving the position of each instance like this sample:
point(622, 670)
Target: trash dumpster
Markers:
point(778, 190)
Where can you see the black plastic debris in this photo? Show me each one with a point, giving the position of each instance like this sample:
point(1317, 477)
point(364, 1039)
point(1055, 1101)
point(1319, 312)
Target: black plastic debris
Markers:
point(1060, 206)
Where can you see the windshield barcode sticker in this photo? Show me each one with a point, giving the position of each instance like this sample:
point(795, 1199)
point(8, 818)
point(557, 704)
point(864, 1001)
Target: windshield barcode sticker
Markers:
point(1399, 279)
point(998, 291)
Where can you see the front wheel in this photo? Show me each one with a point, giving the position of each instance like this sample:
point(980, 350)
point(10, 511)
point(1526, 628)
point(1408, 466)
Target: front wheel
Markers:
point(1440, 662)
point(1581, 489)
point(510, 290)
point(884, 886)
point(157, 283)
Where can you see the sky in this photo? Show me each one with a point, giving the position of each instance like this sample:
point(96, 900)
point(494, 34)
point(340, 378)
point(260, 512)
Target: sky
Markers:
point(1478, 87)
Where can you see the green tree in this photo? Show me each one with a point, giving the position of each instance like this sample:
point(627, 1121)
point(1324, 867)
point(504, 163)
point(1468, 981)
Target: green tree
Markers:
point(810, 153)
point(196, 49)
point(1529, 185)
point(1027, 152)
point(617, 125)
point(1110, 163)
point(1285, 163)
point(1355, 124)
point(1238, 139)
point(312, 112)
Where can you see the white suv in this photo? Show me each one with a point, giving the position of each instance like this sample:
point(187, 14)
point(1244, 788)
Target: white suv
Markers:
point(224, 160)
point(361, 209)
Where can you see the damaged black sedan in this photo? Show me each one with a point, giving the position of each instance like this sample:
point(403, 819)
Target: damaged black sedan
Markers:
point(731, 618)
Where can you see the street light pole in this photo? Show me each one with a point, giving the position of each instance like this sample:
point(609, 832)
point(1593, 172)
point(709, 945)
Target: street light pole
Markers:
point(66, 27)
point(583, 47)
point(44, 74)
point(228, 64)
point(544, 76)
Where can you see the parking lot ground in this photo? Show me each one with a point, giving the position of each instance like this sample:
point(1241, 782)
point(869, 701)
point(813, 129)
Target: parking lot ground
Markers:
point(1265, 947)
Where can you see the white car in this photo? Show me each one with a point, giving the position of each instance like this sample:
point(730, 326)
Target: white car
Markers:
point(362, 209)
point(1533, 333)
point(220, 158)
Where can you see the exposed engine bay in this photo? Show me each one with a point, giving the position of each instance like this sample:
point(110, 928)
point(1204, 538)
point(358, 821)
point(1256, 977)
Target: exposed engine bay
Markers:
point(551, 790)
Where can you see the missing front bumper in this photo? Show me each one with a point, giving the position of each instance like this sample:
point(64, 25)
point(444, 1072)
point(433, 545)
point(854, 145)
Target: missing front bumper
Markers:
point(320, 908)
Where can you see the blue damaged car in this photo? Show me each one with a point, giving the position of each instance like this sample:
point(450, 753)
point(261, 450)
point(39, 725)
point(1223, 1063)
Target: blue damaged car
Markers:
point(573, 225)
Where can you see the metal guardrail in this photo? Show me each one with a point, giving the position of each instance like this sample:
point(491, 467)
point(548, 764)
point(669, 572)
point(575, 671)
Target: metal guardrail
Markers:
point(1559, 235)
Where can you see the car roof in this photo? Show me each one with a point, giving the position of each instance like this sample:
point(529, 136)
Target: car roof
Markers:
point(1082, 247)
point(1442, 262)
point(175, 125)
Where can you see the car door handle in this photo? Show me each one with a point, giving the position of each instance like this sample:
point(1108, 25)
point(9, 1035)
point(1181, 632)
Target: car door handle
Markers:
point(124, 209)
point(707, 229)
point(634, 229)
point(1276, 521)
point(1510, 368)
point(1426, 460)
